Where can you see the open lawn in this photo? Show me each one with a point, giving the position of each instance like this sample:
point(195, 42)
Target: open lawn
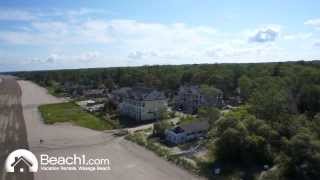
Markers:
point(187, 120)
point(70, 112)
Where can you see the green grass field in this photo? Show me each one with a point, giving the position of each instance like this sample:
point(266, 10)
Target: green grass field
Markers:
point(70, 112)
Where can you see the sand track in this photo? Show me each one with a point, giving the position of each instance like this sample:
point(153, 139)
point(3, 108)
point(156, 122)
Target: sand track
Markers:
point(12, 127)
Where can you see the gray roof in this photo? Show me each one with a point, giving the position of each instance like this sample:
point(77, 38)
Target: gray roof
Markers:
point(192, 127)
point(94, 91)
point(142, 93)
point(121, 92)
point(194, 89)
point(190, 89)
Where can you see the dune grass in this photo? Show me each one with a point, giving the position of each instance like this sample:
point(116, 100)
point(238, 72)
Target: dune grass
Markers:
point(71, 112)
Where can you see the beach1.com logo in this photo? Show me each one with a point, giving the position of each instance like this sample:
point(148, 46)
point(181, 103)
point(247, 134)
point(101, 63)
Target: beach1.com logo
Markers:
point(21, 161)
point(24, 161)
point(73, 163)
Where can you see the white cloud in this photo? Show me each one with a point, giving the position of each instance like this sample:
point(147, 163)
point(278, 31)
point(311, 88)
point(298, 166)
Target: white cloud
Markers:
point(139, 43)
point(12, 37)
point(62, 60)
point(12, 14)
point(136, 55)
point(83, 11)
point(150, 42)
point(297, 36)
point(267, 34)
point(96, 31)
point(128, 33)
point(53, 58)
point(88, 56)
point(313, 22)
point(244, 52)
point(173, 54)
point(52, 26)
point(16, 15)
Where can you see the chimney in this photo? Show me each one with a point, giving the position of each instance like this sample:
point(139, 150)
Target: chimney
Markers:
point(16, 159)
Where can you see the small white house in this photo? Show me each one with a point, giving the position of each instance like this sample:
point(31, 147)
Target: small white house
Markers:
point(184, 133)
point(95, 108)
point(86, 103)
point(91, 105)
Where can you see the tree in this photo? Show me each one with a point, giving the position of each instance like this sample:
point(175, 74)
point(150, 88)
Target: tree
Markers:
point(269, 100)
point(209, 91)
point(315, 125)
point(249, 138)
point(109, 107)
point(210, 114)
point(291, 125)
point(302, 157)
point(211, 95)
point(310, 99)
point(160, 127)
point(186, 77)
point(245, 85)
point(151, 81)
point(234, 138)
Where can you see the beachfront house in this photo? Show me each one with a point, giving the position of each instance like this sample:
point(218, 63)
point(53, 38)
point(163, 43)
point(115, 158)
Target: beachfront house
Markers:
point(143, 104)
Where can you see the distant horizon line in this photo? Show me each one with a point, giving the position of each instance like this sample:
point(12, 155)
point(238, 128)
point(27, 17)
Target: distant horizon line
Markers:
point(135, 66)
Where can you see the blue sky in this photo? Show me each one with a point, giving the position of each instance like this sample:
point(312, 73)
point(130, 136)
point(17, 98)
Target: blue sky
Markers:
point(51, 34)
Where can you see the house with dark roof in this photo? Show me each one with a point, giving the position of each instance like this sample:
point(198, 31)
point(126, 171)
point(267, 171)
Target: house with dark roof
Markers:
point(117, 96)
point(94, 93)
point(183, 133)
point(21, 165)
point(190, 98)
point(142, 104)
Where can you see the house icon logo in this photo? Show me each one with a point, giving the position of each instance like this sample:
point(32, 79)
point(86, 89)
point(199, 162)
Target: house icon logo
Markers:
point(21, 161)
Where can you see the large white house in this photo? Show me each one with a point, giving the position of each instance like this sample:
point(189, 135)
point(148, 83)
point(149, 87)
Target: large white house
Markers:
point(143, 104)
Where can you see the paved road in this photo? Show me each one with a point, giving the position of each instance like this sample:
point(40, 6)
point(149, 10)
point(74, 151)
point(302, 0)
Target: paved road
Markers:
point(128, 160)
point(13, 133)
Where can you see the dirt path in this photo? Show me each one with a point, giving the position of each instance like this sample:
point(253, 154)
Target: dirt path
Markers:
point(128, 161)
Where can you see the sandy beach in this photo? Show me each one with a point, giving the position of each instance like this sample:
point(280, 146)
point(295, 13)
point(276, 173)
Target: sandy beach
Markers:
point(12, 126)
point(127, 160)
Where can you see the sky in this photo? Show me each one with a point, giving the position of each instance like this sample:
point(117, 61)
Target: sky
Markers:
point(51, 34)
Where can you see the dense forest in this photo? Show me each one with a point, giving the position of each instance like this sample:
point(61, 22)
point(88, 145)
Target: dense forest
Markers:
point(278, 123)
